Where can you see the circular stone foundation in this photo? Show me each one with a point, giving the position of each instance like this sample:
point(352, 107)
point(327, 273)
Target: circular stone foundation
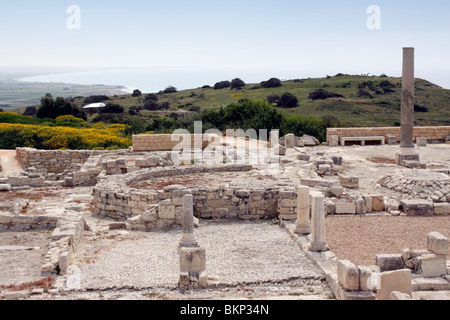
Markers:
point(419, 183)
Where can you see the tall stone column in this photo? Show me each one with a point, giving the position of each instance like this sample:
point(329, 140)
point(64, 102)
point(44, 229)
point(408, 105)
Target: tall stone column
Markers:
point(407, 109)
point(318, 224)
point(407, 155)
point(188, 238)
point(303, 224)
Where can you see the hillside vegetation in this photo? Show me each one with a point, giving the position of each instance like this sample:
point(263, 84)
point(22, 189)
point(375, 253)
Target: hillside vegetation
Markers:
point(351, 100)
point(302, 106)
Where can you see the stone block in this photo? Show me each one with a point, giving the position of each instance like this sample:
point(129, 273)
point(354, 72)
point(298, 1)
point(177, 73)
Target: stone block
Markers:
point(337, 160)
point(442, 208)
point(289, 141)
point(336, 191)
point(390, 281)
point(391, 139)
point(377, 203)
point(348, 275)
point(421, 141)
point(361, 206)
point(303, 157)
point(345, 208)
point(430, 284)
point(431, 265)
point(279, 150)
point(192, 260)
point(368, 200)
point(333, 141)
point(166, 212)
point(389, 262)
point(349, 182)
point(417, 207)
point(367, 277)
point(16, 295)
point(5, 187)
point(330, 207)
point(437, 243)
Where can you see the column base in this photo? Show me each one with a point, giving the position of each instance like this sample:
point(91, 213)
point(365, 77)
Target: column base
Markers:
point(188, 240)
point(407, 157)
point(303, 230)
point(318, 247)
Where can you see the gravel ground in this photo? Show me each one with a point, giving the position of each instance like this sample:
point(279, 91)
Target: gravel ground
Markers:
point(360, 238)
point(237, 252)
point(245, 259)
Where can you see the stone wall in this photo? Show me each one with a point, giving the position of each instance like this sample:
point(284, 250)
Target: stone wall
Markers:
point(56, 161)
point(168, 142)
point(433, 134)
point(113, 198)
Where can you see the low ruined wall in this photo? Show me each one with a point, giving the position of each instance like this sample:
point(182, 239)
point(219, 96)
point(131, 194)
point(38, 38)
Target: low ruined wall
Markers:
point(56, 161)
point(168, 142)
point(433, 134)
point(113, 198)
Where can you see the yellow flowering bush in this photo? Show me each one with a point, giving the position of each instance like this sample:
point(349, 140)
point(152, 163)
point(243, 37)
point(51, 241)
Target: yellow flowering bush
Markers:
point(68, 118)
point(50, 138)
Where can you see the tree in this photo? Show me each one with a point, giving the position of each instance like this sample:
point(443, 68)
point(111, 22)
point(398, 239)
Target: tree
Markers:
point(237, 84)
point(170, 89)
point(222, 85)
point(272, 83)
point(136, 93)
point(322, 94)
point(95, 99)
point(151, 97)
point(30, 111)
point(151, 105)
point(50, 108)
point(288, 100)
point(112, 108)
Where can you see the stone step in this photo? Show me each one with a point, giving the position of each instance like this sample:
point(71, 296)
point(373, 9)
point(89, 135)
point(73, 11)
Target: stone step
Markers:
point(430, 284)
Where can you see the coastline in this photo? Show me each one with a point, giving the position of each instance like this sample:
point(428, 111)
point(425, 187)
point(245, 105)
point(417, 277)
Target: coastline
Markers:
point(16, 93)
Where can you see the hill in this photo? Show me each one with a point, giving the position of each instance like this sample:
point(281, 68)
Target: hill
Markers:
point(359, 100)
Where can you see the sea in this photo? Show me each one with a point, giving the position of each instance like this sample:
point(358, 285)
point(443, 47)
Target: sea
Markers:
point(152, 80)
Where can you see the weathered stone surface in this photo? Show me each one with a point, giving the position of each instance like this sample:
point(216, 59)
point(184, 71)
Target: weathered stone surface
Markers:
point(399, 280)
point(348, 275)
point(318, 243)
point(333, 141)
point(345, 208)
point(303, 157)
point(361, 206)
point(396, 295)
point(289, 141)
point(336, 191)
point(349, 182)
point(432, 284)
point(367, 277)
point(391, 139)
point(431, 265)
point(442, 208)
point(437, 243)
point(421, 141)
point(377, 203)
point(389, 262)
point(5, 187)
point(417, 207)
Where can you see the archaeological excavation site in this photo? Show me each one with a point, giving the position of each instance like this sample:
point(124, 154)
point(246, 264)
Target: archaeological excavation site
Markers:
point(218, 216)
point(288, 219)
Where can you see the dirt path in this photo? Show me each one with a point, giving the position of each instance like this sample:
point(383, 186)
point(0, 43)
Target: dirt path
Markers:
point(9, 163)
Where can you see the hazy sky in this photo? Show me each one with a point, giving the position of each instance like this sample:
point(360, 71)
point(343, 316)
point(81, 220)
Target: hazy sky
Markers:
point(308, 38)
